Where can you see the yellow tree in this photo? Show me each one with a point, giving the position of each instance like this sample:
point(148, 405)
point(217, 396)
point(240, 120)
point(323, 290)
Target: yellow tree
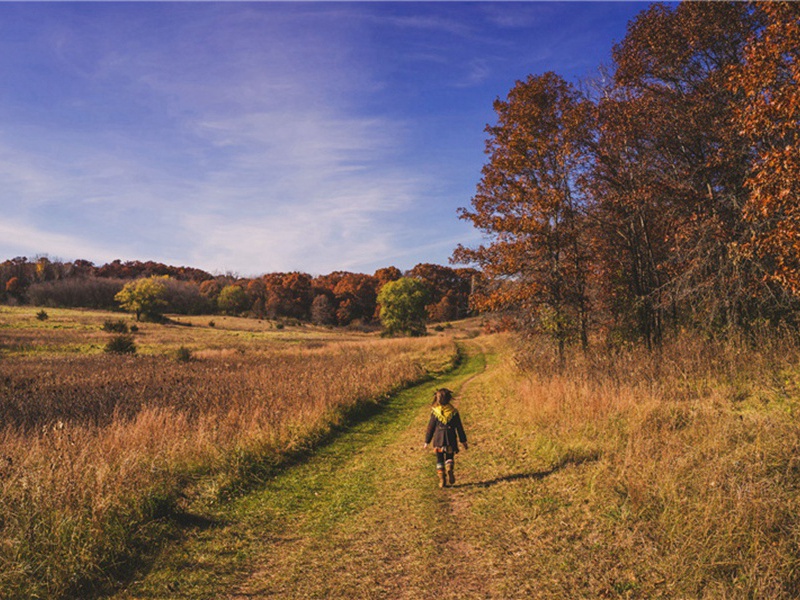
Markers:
point(144, 297)
point(530, 203)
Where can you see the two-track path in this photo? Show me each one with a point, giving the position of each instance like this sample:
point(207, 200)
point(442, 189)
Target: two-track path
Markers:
point(362, 517)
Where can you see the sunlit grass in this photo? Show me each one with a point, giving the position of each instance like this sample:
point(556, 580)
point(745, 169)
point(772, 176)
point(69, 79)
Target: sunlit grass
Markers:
point(691, 471)
point(94, 447)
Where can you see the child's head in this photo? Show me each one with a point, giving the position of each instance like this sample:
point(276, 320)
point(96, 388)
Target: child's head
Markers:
point(442, 396)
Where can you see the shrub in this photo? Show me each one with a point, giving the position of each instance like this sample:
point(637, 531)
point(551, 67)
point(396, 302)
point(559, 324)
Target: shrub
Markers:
point(42, 315)
point(121, 344)
point(115, 326)
point(183, 354)
point(212, 324)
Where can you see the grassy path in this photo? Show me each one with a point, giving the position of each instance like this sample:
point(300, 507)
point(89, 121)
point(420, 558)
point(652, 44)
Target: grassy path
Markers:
point(362, 517)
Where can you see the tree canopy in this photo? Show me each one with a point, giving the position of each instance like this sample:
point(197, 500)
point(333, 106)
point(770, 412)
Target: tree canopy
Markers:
point(402, 306)
point(666, 195)
point(144, 297)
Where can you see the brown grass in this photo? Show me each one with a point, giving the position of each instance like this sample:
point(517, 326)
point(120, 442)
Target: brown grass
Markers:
point(94, 447)
point(697, 470)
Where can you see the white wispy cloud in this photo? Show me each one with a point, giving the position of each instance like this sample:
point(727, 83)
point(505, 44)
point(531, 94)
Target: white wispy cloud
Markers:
point(263, 164)
point(257, 136)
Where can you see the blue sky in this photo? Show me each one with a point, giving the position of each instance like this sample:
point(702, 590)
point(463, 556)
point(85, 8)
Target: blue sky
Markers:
point(262, 137)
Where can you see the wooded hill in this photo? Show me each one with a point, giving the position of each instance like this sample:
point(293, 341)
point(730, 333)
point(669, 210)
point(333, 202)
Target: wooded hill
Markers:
point(338, 298)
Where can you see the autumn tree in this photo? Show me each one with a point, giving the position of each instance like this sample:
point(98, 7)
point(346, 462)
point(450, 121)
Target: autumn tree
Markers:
point(630, 222)
point(144, 297)
point(210, 289)
point(385, 275)
point(530, 202)
point(322, 310)
point(232, 299)
point(356, 297)
point(402, 306)
point(299, 294)
point(449, 292)
point(256, 295)
point(769, 119)
point(672, 165)
point(13, 287)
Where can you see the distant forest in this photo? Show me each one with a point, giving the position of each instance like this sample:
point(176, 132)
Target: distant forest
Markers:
point(340, 298)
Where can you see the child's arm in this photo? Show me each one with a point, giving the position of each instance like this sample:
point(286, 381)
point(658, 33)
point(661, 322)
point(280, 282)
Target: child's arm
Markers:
point(462, 435)
point(430, 430)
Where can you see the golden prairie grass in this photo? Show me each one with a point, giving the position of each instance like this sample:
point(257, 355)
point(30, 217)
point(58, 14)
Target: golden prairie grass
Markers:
point(695, 460)
point(95, 448)
point(79, 331)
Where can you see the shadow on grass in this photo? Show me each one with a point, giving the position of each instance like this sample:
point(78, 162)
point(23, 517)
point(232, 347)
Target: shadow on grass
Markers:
point(534, 475)
point(194, 521)
point(141, 554)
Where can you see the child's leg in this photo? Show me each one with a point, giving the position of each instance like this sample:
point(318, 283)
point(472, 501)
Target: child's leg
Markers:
point(449, 464)
point(440, 466)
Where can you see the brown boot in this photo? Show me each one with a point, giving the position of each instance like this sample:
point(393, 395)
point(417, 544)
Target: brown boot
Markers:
point(442, 478)
point(451, 476)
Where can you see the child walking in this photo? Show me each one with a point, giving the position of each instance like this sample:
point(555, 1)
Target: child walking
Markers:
point(445, 430)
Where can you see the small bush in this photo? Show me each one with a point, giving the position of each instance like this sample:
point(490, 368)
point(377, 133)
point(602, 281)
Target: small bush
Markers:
point(118, 326)
point(42, 315)
point(279, 325)
point(134, 328)
point(212, 324)
point(183, 354)
point(121, 344)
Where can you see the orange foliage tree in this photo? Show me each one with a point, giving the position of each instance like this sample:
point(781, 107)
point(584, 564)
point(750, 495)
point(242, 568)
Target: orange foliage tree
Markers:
point(669, 169)
point(530, 201)
point(769, 118)
point(670, 196)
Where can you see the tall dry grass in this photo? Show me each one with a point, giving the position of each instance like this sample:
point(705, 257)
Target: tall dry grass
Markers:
point(698, 445)
point(94, 449)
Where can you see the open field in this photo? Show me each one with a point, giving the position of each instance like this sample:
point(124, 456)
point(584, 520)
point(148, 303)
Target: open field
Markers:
point(69, 331)
point(627, 474)
point(98, 448)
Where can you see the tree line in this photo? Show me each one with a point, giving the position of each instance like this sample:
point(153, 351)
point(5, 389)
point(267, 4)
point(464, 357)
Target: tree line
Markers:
point(340, 298)
point(663, 196)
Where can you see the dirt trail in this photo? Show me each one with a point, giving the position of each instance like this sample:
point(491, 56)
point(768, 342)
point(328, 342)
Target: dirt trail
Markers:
point(361, 517)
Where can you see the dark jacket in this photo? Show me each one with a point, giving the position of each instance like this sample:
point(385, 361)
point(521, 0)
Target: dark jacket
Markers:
point(445, 429)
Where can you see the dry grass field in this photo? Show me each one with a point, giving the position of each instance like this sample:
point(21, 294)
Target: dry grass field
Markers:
point(665, 475)
point(626, 474)
point(95, 448)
